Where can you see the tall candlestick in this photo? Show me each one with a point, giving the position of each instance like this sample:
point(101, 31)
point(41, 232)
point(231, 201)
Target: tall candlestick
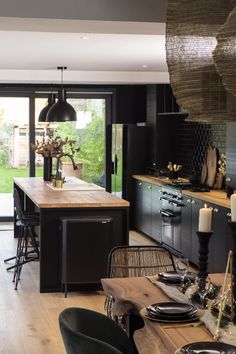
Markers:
point(233, 207)
point(205, 216)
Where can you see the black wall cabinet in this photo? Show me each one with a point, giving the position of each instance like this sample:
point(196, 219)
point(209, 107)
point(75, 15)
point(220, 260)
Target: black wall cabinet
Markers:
point(129, 104)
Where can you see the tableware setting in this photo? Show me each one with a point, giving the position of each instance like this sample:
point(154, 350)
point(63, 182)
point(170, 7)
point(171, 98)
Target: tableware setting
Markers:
point(207, 348)
point(174, 278)
point(173, 312)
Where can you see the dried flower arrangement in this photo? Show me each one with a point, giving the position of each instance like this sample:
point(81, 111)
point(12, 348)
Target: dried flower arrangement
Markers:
point(54, 146)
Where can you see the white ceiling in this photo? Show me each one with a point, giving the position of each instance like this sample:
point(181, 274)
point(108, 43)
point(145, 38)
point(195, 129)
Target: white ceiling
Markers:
point(93, 51)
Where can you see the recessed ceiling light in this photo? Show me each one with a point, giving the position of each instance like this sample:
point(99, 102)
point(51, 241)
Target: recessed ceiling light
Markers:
point(85, 37)
point(144, 66)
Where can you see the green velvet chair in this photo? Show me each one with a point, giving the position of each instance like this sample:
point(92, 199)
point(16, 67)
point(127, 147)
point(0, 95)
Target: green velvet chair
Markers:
point(89, 332)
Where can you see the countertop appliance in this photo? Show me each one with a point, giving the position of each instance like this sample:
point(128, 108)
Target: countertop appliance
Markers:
point(172, 204)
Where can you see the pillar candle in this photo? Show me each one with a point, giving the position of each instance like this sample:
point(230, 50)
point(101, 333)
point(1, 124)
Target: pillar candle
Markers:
point(205, 216)
point(233, 207)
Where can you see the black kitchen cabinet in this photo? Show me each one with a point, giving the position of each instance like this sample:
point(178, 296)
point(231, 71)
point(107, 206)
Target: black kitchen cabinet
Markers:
point(221, 240)
point(130, 104)
point(143, 207)
point(147, 207)
point(231, 154)
point(156, 233)
point(186, 227)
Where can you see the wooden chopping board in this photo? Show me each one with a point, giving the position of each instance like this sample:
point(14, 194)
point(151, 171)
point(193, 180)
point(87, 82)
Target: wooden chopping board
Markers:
point(211, 163)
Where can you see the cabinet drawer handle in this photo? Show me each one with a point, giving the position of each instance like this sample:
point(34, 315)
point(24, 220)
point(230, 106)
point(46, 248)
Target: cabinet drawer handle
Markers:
point(193, 202)
point(228, 214)
point(140, 183)
point(216, 210)
point(149, 187)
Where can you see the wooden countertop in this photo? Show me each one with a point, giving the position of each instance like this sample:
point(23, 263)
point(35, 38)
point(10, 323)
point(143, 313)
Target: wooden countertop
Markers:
point(217, 197)
point(45, 197)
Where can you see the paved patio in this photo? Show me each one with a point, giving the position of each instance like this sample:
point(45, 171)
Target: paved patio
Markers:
point(6, 204)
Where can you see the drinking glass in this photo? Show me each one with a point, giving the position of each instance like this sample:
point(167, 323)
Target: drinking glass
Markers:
point(203, 287)
point(182, 265)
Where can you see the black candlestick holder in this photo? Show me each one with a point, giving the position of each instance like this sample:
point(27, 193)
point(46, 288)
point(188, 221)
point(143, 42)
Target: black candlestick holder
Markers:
point(232, 225)
point(204, 238)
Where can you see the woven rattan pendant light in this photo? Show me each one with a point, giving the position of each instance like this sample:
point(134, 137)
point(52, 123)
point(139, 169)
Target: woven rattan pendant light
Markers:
point(191, 30)
point(225, 53)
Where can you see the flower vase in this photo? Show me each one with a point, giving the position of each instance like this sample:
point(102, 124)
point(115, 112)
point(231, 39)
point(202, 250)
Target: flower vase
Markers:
point(47, 168)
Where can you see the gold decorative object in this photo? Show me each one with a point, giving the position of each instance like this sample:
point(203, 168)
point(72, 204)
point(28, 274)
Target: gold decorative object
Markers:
point(224, 54)
point(191, 30)
point(226, 295)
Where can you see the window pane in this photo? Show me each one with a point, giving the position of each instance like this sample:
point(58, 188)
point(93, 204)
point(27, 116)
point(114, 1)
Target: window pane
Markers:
point(14, 147)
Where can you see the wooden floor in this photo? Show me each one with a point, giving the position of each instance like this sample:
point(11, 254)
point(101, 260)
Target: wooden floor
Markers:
point(28, 319)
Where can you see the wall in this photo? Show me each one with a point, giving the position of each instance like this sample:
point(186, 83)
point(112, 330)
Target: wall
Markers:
point(107, 10)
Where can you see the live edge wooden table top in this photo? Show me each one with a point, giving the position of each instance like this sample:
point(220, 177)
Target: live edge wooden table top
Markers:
point(77, 199)
point(132, 294)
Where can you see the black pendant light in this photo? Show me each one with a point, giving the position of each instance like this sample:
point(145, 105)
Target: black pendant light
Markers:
point(61, 111)
point(43, 113)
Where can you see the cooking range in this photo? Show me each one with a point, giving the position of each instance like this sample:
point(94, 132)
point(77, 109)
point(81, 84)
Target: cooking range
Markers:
point(171, 205)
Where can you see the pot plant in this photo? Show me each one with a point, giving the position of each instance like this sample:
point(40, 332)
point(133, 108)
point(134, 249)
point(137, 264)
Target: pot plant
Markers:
point(54, 147)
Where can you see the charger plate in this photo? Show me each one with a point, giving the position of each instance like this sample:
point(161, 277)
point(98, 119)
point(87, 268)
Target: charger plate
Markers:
point(208, 348)
point(143, 312)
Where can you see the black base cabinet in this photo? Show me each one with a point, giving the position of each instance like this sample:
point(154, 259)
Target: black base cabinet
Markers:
point(86, 243)
point(147, 207)
point(148, 220)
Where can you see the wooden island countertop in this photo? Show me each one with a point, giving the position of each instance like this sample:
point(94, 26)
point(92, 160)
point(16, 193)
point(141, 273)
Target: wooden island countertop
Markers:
point(43, 196)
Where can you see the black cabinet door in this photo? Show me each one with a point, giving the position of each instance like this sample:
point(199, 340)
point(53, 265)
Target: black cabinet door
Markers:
point(156, 213)
point(186, 227)
point(221, 238)
point(231, 154)
point(143, 207)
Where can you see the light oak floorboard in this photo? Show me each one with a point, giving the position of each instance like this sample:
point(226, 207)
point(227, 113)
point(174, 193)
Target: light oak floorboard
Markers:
point(28, 319)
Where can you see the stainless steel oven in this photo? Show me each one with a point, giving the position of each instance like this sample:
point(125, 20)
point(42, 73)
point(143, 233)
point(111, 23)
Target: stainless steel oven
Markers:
point(171, 200)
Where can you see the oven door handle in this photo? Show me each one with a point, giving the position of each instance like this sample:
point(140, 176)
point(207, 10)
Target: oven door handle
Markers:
point(167, 213)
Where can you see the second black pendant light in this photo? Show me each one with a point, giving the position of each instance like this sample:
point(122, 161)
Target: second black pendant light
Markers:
point(61, 111)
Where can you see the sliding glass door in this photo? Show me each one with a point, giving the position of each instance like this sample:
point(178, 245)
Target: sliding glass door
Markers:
point(19, 127)
point(88, 132)
point(14, 148)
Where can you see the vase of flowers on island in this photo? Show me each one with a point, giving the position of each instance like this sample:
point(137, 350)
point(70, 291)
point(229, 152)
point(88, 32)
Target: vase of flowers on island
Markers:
point(53, 147)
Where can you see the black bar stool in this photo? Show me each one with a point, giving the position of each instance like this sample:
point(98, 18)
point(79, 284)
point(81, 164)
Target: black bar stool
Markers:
point(27, 245)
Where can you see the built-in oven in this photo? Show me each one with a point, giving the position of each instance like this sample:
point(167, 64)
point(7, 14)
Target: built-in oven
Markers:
point(171, 200)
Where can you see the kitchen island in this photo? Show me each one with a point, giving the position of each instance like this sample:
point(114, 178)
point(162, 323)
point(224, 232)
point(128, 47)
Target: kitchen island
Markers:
point(78, 202)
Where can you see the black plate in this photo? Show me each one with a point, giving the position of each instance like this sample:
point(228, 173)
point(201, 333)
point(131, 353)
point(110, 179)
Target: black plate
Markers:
point(190, 319)
point(173, 277)
point(174, 308)
point(171, 317)
point(209, 348)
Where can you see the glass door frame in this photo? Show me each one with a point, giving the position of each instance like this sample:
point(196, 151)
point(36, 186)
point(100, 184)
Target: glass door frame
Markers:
point(33, 92)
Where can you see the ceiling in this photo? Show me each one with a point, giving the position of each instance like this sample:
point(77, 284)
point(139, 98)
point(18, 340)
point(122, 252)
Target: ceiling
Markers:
point(93, 51)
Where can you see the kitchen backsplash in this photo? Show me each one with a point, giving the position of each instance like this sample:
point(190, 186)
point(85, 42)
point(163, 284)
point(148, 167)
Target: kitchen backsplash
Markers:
point(192, 141)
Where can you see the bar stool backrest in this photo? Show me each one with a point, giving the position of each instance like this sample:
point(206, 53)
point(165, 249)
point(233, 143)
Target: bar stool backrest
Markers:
point(17, 206)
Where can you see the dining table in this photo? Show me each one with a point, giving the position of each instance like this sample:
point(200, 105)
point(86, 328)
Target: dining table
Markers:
point(78, 200)
point(130, 295)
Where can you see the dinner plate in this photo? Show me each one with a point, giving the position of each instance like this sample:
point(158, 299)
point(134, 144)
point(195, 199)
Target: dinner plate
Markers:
point(174, 308)
point(208, 348)
point(172, 316)
point(144, 313)
point(175, 278)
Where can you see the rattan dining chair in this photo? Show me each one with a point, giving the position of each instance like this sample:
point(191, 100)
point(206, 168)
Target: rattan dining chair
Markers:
point(135, 261)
